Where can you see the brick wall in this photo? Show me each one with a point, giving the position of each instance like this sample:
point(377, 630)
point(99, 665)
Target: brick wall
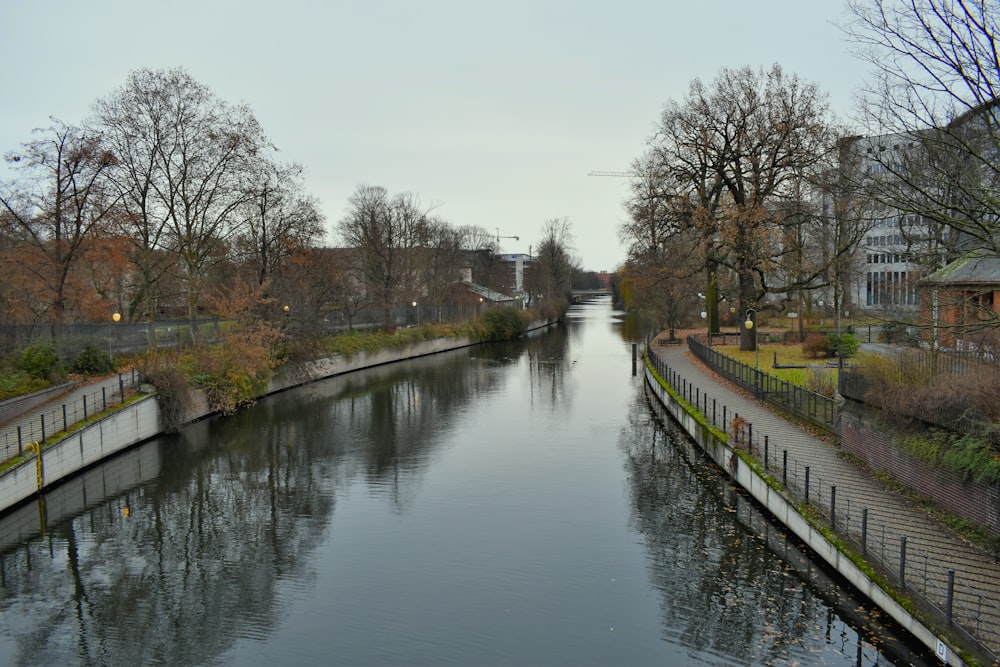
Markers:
point(975, 501)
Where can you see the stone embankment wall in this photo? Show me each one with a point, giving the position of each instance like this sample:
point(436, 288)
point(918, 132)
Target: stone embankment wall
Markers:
point(715, 444)
point(140, 420)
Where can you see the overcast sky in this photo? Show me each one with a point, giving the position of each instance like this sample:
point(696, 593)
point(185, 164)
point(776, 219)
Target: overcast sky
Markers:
point(494, 111)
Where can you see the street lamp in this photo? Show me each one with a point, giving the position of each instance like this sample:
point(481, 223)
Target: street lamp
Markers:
point(417, 311)
point(115, 318)
point(750, 325)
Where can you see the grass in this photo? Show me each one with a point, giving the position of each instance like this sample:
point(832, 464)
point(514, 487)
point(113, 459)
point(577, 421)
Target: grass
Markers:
point(789, 355)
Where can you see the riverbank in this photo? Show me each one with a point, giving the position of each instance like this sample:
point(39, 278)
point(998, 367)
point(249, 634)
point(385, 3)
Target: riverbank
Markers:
point(141, 420)
point(693, 399)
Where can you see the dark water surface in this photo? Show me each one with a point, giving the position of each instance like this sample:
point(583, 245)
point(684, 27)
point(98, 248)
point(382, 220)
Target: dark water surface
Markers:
point(514, 504)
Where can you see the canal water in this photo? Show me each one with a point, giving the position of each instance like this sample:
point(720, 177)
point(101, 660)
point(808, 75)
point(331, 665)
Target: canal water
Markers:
point(510, 504)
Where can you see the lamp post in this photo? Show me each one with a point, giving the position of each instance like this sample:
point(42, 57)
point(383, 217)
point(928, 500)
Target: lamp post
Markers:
point(115, 318)
point(751, 325)
point(417, 310)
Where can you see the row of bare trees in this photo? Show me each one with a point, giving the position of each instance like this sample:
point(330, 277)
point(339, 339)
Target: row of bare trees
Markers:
point(169, 201)
point(752, 195)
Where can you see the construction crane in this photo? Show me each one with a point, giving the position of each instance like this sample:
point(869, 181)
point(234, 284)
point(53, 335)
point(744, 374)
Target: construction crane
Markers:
point(619, 174)
point(505, 237)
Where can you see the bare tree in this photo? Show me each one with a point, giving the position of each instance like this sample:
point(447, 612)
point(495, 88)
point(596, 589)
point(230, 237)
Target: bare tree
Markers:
point(186, 159)
point(438, 260)
point(933, 98)
point(280, 219)
point(738, 152)
point(60, 197)
point(555, 264)
point(382, 230)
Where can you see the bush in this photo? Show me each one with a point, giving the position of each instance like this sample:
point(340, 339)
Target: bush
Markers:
point(817, 346)
point(503, 324)
point(844, 345)
point(235, 372)
point(41, 361)
point(92, 361)
point(172, 391)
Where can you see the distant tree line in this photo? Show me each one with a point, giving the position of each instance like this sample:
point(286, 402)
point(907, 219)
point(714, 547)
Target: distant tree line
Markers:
point(169, 202)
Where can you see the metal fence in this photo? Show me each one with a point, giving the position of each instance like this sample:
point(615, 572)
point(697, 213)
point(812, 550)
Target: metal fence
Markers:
point(819, 410)
point(941, 589)
point(57, 417)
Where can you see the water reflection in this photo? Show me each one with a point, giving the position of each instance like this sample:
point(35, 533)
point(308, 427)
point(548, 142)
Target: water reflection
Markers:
point(734, 585)
point(462, 508)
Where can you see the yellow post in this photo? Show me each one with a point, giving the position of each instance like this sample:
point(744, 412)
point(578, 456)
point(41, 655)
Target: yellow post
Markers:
point(37, 446)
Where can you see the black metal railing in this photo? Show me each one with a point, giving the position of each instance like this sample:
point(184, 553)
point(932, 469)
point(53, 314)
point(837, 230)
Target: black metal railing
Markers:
point(817, 409)
point(942, 589)
point(60, 416)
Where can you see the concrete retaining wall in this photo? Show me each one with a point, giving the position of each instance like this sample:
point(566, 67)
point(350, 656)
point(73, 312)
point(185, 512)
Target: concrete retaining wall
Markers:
point(140, 420)
point(79, 450)
point(785, 511)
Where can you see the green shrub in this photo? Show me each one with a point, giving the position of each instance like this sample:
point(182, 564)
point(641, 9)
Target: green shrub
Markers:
point(19, 383)
point(503, 324)
point(92, 361)
point(844, 345)
point(41, 361)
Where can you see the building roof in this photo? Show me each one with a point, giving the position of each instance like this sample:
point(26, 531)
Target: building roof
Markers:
point(486, 292)
point(976, 268)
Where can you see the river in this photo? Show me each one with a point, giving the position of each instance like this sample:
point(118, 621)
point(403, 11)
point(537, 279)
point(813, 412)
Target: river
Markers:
point(509, 504)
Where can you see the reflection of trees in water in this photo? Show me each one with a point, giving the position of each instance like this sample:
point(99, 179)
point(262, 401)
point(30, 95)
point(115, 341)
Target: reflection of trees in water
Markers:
point(206, 551)
point(723, 588)
point(549, 369)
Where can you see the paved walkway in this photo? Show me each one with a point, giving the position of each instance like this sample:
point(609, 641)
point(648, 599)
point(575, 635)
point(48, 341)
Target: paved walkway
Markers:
point(931, 547)
point(80, 402)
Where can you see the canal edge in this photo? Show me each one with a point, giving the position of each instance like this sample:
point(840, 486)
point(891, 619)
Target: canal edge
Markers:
point(768, 494)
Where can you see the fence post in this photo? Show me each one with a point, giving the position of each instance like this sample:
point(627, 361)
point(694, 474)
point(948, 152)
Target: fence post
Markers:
point(750, 437)
point(121, 388)
point(765, 452)
point(784, 468)
point(84, 407)
point(41, 418)
point(713, 412)
point(807, 485)
point(20, 443)
point(104, 398)
point(864, 532)
point(65, 424)
point(833, 505)
point(950, 595)
point(902, 562)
